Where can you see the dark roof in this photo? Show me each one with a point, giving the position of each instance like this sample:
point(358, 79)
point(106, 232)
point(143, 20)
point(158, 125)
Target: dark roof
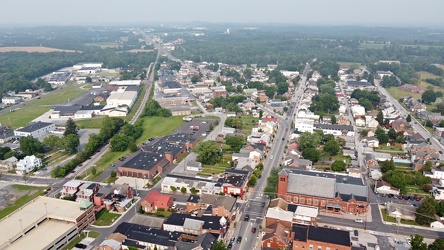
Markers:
point(6, 132)
point(236, 172)
point(333, 127)
point(163, 147)
point(355, 83)
point(205, 241)
point(235, 180)
point(210, 222)
point(171, 85)
point(300, 232)
point(142, 233)
point(328, 235)
point(98, 107)
point(67, 110)
point(146, 161)
point(176, 219)
point(35, 126)
point(133, 88)
point(194, 198)
point(92, 186)
point(292, 207)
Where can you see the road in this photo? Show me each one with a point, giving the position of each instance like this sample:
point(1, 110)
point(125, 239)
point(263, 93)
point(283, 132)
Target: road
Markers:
point(253, 206)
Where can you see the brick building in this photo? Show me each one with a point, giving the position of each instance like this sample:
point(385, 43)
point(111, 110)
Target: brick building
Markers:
point(155, 200)
point(329, 192)
point(145, 165)
point(310, 237)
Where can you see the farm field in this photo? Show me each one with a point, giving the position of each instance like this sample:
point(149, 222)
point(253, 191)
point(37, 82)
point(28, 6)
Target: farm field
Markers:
point(33, 49)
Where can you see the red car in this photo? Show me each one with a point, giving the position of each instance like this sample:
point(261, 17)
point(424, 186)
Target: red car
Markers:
point(253, 230)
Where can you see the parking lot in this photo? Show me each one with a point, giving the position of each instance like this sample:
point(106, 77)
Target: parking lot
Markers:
point(203, 130)
point(400, 199)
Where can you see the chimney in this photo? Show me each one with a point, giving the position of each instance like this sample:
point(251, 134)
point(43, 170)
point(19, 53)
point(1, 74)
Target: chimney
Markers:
point(169, 156)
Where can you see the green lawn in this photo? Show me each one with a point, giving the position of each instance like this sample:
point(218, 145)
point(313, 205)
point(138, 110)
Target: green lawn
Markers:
point(412, 190)
point(74, 242)
point(248, 122)
point(105, 218)
point(106, 160)
point(163, 214)
point(22, 200)
point(214, 169)
point(95, 122)
point(137, 104)
point(391, 148)
point(397, 93)
point(393, 220)
point(32, 110)
point(158, 127)
point(93, 234)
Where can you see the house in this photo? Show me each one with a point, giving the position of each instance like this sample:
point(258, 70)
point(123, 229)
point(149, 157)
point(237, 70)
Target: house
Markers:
point(116, 197)
point(400, 125)
point(358, 85)
point(383, 187)
point(155, 200)
point(306, 215)
point(276, 236)
point(414, 139)
point(64, 111)
point(376, 174)
point(110, 244)
point(371, 122)
point(36, 130)
point(194, 166)
point(342, 120)
point(332, 193)
point(372, 142)
point(438, 223)
point(8, 164)
point(28, 164)
point(6, 134)
point(311, 237)
point(11, 100)
point(276, 215)
point(382, 156)
point(370, 160)
point(86, 192)
point(203, 241)
point(71, 188)
point(381, 74)
point(358, 111)
point(401, 211)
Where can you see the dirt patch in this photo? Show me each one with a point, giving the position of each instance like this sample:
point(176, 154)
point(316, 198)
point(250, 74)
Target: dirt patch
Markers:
point(32, 49)
point(9, 194)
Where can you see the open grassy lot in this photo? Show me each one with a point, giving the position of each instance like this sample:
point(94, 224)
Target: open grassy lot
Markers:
point(105, 218)
point(33, 192)
point(30, 49)
point(93, 234)
point(248, 122)
point(412, 190)
point(385, 147)
point(28, 112)
point(397, 93)
point(214, 169)
point(95, 122)
point(162, 214)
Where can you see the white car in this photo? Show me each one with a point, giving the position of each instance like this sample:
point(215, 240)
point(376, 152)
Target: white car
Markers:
point(359, 221)
point(174, 206)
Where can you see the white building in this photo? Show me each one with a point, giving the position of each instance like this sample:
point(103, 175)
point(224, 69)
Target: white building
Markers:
point(88, 64)
point(358, 110)
point(304, 125)
point(27, 164)
point(437, 173)
point(335, 129)
point(126, 82)
point(11, 100)
point(36, 130)
point(127, 98)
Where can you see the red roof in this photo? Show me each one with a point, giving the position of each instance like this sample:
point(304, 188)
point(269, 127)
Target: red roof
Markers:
point(156, 196)
point(269, 119)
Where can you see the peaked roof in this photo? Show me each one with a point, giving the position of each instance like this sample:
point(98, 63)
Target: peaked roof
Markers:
point(156, 196)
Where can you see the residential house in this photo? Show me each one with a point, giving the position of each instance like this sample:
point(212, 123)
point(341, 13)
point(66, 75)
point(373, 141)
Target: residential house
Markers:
point(11, 100)
point(116, 197)
point(400, 125)
point(86, 192)
point(6, 134)
point(376, 174)
point(342, 120)
point(276, 236)
point(8, 164)
point(311, 237)
point(335, 129)
point(385, 188)
point(155, 200)
point(414, 139)
point(194, 166)
point(372, 142)
point(71, 188)
point(28, 164)
point(370, 160)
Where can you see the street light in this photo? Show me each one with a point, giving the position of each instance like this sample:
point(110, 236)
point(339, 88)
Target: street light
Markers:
point(21, 226)
point(46, 209)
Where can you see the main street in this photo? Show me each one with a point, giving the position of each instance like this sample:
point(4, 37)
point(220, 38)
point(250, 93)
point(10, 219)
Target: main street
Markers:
point(253, 207)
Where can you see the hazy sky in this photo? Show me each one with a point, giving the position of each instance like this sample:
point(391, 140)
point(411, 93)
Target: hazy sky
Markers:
point(325, 12)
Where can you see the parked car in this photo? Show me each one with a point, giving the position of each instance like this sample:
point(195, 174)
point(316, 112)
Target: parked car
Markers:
point(80, 245)
point(355, 233)
point(239, 239)
point(263, 204)
point(253, 230)
point(230, 246)
point(232, 240)
point(359, 221)
point(247, 217)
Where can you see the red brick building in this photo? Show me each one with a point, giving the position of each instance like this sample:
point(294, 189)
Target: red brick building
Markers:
point(277, 236)
point(329, 192)
point(155, 200)
point(145, 165)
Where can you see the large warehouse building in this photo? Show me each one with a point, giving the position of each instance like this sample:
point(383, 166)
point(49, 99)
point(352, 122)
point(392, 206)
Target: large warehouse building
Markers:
point(45, 223)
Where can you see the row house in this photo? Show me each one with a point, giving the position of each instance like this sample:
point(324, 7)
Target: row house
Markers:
point(114, 198)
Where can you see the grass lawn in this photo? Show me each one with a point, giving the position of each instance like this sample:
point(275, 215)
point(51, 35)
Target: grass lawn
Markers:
point(93, 234)
point(391, 148)
point(74, 242)
point(22, 200)
point(214, 169)
point(105, 218)
point(403, 167)
point(34, 109)
point(393, 220)
point(412, 190)
point(163, 214)
point(106, 160)
point(248, 122)
point(111, 179)
point(397, 93)
point(372, 46)
point(95, 122)
point(158, 127)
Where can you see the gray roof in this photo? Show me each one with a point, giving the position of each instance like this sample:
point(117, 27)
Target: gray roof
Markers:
point(227, 202)
point(208, 199)
point(369, 157)
point(356, 190)
point(333, 127)
point(34, 127)
point(192, 224)
point(311, 185)
point(205, 240)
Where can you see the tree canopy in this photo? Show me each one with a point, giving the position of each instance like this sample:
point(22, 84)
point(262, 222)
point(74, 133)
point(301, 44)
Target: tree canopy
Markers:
point(208, 151)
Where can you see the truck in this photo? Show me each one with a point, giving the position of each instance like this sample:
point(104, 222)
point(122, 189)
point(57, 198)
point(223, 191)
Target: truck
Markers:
point(194, 128)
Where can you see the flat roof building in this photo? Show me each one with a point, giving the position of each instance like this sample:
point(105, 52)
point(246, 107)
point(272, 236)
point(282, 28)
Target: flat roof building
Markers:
point(45, 223)
point(36, 130)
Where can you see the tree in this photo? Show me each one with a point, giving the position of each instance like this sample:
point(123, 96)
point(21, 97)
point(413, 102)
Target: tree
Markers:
point(380, 117)
point(391, 133)
point(219, 246)
point(396, 179)
point(338, 166)
point(70, 143)
point(332, 147)
point(333, 119)
point(252, 181)
point(363, 133)
point(140, 211)
point(235, 142)
point(30, 145)
point(428, 97)
point(120, 143)
point(409, 118)
point(341, 141)
point(261, 113)
point(132, 146)
point(387, 166)
point(113, 174)
point(417, 242)
point(429, 123)
point(173, 188)
point(53, 141)
point(309, 140)
point(440, 208)
point(211, 127)
point(383, 138)
point(70, 128)
point(282, 88)
point(183, 190)
point(208, 151)
point(427, 166)
point(425, 214)
point(93, 170)
point(195, 79)
point(193, 190)
point(311, 154)
point(438, 244)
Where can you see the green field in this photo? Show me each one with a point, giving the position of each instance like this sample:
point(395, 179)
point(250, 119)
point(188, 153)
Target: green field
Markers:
point(103, 45)
point(95, 122)
point(397, 93)
point(28, 112)
point(214, 169)
point(248, 122)
point(105, 218)
point(93, 234)
point(22, 200)
point(75, 241)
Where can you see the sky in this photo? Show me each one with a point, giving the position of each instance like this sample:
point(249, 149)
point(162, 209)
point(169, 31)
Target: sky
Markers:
point(318, 12)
